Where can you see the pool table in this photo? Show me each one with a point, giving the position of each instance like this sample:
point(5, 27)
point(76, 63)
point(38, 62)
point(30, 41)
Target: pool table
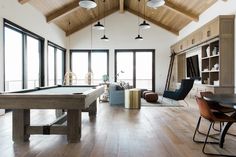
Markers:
point(72, 99)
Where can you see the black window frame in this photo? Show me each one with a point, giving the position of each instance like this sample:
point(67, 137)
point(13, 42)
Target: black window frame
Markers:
point(55, 46)
point(25, 33)
point(134, 51)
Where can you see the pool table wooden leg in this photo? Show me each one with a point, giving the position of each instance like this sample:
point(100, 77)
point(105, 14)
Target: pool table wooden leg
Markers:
point(73, 126)
point(93, 109)
point(20, 122)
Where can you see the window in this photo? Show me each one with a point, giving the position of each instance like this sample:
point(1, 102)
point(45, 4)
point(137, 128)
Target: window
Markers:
point(23, 52)
point(85, 61)
point(56, 64)
point(135, 67)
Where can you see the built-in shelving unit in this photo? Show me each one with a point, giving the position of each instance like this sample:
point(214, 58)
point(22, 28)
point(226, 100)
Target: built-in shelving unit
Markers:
point(215, 42)
point(210, 63)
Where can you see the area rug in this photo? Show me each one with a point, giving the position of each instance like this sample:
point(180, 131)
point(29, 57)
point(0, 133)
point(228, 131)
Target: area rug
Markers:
point(144, 103)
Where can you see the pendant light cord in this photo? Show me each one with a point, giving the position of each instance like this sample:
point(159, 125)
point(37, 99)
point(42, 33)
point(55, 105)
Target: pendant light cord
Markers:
point(144, 10)
point(91, 36)
point(138, 18)
point(104, 18)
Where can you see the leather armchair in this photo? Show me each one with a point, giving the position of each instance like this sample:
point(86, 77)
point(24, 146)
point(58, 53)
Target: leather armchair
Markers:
point(182, 92)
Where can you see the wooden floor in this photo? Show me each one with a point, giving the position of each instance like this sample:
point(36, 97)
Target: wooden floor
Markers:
point(117, 132)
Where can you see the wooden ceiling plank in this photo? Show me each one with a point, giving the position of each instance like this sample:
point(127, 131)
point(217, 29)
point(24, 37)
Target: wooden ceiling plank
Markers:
point(79, 27)
point(63, 11)
point(23, 1)
point(122, 3)
point(154, 22)
point(181, 11)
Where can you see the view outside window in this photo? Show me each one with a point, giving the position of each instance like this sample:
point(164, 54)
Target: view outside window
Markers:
point(144, 70)
point(32, 62)
point(13, 60)
point(98, 66)
point(59, 70)
point(80, 66)
point(56, 69)
point(88, 64)
point(125, 67)
point(22, 52)
point(135, 67)
point(51, 66)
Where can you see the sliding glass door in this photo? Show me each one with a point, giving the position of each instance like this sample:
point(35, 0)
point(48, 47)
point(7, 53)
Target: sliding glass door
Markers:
point(87, 62)
point(144, 70)
point(124, 67)
point(135, 67)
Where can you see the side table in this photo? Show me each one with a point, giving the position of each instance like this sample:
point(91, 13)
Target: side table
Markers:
point(133, 98)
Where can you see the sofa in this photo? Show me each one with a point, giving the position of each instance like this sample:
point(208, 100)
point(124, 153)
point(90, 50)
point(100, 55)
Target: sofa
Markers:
point(116, 95)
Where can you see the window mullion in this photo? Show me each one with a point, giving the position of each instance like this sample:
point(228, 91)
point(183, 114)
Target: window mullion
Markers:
point(24, 57)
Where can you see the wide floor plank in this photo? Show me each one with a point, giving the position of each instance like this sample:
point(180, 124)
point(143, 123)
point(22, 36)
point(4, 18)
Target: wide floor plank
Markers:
point(117, 132)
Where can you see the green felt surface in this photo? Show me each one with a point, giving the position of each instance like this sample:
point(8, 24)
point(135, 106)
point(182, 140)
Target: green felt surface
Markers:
point(61, 90)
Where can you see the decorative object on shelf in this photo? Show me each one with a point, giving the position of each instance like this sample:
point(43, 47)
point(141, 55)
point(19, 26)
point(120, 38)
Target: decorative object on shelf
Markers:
point(89, 78)
point(155, 3)
point(105, 78)
point(208, 51)
point(144, 25)
point(216, 83)
point(214, 51)
point(70, 78)
point(139, 37)
point(216, 66)
point(104, 38)
point(88, 4)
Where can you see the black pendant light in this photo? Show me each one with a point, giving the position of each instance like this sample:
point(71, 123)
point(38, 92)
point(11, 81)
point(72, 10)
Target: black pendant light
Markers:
point(104, 38)
point(98, 25)
point(144, 25)
point(139, 37)
point(88, 4)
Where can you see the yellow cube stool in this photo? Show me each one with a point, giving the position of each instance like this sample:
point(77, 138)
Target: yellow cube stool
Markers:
point(133, 98)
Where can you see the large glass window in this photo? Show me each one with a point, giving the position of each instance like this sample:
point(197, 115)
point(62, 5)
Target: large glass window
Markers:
point(135, 67)
point(23, 51)
point(56, 64)
point(89, 64)
point(13, 60)
point(32, 62)
point(124, 67)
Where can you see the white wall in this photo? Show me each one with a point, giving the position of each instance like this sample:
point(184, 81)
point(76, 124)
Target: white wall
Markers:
point(27, 17)
point(121, 30)
point(219, 8)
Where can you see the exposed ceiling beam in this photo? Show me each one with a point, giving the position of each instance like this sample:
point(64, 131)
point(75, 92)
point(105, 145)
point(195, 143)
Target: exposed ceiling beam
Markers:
point(75, 29)
point(23, 1)
point(63, 11)
point(154, 22)
point(181, 11)
point(122, 5)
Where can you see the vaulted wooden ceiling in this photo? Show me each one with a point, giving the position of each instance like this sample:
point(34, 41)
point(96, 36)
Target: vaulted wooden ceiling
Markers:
point(173, 16)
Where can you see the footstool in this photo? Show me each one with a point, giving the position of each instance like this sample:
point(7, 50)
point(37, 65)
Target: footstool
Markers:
point(151, 97)
point(145, 92)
